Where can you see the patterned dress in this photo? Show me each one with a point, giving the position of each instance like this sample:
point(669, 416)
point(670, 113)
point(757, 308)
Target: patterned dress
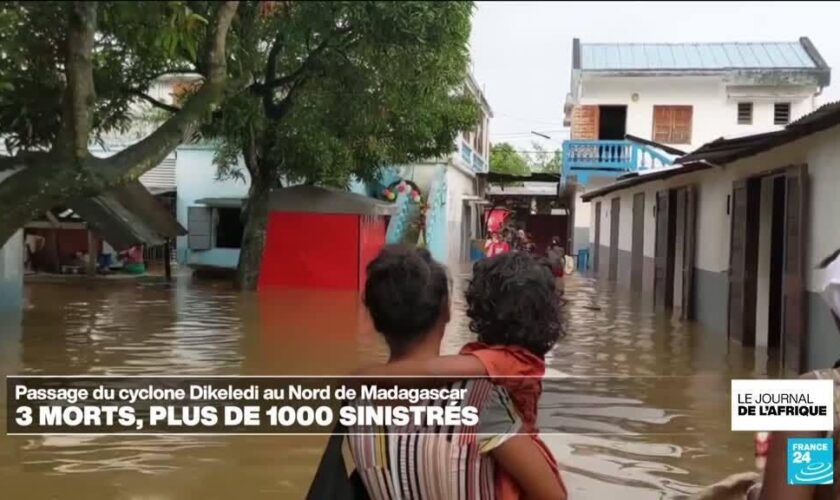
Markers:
point(437, 463)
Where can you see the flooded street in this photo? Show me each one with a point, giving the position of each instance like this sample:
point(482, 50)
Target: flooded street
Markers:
point(645, 412)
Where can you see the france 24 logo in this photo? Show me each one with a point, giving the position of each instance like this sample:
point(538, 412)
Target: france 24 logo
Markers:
point(810, 461)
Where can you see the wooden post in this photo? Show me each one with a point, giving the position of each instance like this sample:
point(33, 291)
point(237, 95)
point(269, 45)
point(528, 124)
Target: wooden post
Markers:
point(92, 253)
point(167, 265)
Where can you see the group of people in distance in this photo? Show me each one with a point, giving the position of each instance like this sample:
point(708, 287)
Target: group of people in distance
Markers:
point(519, 241)
point(508, 240)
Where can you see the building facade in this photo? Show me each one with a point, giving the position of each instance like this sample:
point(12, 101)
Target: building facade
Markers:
point(677, 96)
point(210, 208)
point(732, 237)
point(453, 188)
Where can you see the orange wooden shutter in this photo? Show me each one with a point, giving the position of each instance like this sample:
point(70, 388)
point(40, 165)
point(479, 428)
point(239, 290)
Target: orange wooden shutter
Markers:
point(672, 124)
point(585, 122)
point(681, 129)
point(662, 119)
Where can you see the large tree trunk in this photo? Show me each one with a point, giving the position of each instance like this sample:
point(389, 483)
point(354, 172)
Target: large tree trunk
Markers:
point(42, 180)
point(253, 238)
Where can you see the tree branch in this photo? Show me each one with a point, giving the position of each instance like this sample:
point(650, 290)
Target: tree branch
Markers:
point(154, 102)
point(271, 82)
point(278, 110)
point(21, 159)
point(133, 161)
point(80, 95)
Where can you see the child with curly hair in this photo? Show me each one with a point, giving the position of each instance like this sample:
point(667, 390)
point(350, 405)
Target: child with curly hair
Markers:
point(514, 312)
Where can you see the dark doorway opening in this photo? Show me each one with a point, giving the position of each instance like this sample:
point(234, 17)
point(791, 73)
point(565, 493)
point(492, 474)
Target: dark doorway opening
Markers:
point(612, 123)
point(596, 248)
point(663, 275)
point(615, 218)
point(637, 245)
point(777, 253)
point(229, 228)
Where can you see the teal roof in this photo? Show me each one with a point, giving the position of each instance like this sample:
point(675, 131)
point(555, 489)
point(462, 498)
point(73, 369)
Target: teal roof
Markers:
point(695, 56)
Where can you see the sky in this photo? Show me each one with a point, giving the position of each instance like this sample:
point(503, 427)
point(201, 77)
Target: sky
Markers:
point(522, 51)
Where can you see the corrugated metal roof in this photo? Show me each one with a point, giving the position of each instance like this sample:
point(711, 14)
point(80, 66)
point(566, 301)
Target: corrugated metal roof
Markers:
point(695, 56)
point(317, 199)
point(723, 151)
point(128, 215)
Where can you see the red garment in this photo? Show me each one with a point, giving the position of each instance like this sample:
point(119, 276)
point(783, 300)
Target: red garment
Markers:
point(495, 248)
point(525, 391)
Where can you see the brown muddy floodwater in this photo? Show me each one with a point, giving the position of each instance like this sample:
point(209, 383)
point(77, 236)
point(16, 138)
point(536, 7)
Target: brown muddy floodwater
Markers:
point(649, 420)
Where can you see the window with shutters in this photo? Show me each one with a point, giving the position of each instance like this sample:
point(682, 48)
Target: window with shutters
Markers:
point(781, 113)
point(672, 124)
point(200, 228)
point(745, 113)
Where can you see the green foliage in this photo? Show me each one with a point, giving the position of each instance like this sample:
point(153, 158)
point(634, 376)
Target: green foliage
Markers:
point(365, 85)
point(544, 161)
point(135, 43)
point(504, 159)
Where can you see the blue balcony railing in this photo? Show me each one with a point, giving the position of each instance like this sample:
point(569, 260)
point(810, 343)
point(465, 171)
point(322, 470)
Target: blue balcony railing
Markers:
point(472, 159)
point(609, 158)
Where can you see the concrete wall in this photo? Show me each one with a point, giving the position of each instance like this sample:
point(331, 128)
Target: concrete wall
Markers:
point(714, 112)
point(821, 152)
point(195, 176)
point(460, 183)
point(11, 273)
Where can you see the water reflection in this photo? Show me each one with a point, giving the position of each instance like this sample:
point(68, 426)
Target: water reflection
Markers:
point(639, 405)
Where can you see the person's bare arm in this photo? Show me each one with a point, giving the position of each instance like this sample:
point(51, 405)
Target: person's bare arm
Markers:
point(525, 463)
point(774, 484)
point(456, 367)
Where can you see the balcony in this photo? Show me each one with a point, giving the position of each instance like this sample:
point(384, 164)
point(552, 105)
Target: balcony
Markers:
point(609, 158)
point(472, 159)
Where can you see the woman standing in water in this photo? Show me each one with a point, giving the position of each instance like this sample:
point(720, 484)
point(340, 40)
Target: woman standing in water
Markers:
point(407, 295)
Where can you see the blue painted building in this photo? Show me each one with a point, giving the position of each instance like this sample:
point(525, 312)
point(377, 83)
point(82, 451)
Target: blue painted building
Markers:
point(11, 273)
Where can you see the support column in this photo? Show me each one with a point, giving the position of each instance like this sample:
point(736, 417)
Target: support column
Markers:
point(92, 253)
point(167, 260)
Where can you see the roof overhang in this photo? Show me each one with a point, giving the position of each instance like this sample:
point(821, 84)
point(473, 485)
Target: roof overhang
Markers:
point(222, 202)
point(638, 179)
point(317, 199)
point(127, 216)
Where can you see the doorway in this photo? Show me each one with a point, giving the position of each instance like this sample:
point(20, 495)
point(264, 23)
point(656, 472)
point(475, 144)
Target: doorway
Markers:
point(766, 264)
point(596, 248)
point(637, 257)
point(663, 274)
point(777, 256)
point(612, 122)
point(466, 231)
point(615, 218)
point(674, 251)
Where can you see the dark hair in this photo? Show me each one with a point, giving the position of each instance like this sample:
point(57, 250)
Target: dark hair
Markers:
point(511, 300)
point(405, 292)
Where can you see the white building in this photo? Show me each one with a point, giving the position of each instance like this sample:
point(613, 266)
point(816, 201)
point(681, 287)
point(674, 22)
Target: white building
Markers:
point(681, 95)
point(733, 236)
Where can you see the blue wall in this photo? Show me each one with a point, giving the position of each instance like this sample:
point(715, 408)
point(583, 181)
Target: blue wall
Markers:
point(436, 226)
point(11, 273)
point(195, 177)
